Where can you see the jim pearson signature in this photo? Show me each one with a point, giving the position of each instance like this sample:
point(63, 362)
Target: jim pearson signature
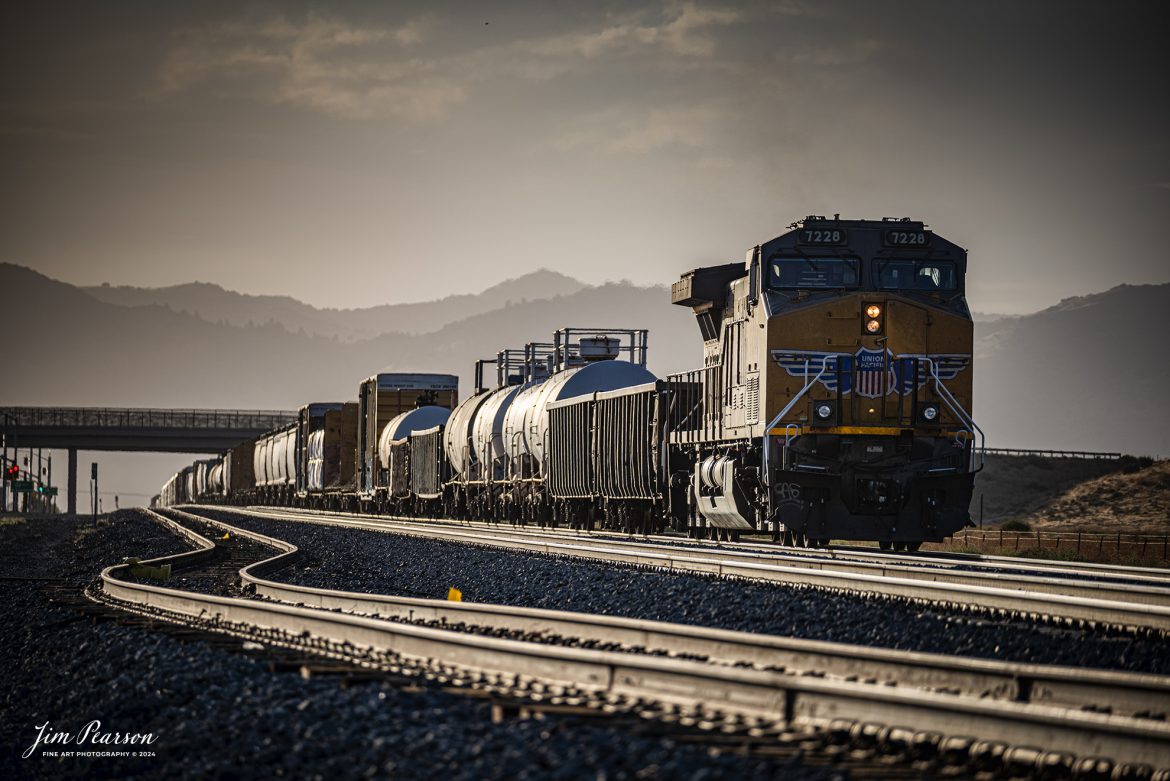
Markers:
point(91, 734)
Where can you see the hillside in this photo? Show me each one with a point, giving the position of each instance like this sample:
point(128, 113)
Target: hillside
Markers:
point(1128, 502)
point(100, 353)
point(216, 305)
point(1087, 374)
point(1014, 487)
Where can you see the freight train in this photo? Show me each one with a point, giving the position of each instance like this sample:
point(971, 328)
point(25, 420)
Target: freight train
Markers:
point(833, 402)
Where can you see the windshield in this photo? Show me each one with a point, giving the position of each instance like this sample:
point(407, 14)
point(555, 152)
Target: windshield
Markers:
point(812, 273)
point(917, 275)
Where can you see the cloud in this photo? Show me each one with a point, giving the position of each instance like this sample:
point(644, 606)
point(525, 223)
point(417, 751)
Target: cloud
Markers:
point(686, 33)
point(627, 131)
point(320, 64)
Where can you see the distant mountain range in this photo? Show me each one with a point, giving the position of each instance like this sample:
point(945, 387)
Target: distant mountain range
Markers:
point(1089, 373)
point(217, 305)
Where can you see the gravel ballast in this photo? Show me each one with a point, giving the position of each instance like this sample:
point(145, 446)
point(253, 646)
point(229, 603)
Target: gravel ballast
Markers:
point(218, 714)
point(382, 563)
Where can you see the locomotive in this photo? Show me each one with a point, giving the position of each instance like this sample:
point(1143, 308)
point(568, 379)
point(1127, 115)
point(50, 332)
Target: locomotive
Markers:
point(833, 402)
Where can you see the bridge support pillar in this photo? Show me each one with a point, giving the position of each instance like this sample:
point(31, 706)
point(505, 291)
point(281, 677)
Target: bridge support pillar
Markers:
point(72, 489)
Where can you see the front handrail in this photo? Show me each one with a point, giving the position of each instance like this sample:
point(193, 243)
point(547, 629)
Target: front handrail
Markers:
point(780, 415)
point(964, 417)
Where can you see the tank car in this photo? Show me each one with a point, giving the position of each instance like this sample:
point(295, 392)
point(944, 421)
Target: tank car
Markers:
point(836, 387)
point(395, 452)
point(381, 398)
point(495, 443)
point(473, 438)
point(274, 464)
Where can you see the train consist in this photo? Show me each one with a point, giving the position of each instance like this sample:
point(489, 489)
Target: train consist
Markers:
point(833, 402)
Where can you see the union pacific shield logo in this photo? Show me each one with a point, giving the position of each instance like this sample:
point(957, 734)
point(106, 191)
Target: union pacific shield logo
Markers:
point(874, 376)
point(876, 371)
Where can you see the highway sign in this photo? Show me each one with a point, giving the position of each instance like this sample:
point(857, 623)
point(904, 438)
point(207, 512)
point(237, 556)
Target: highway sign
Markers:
point(22, 486)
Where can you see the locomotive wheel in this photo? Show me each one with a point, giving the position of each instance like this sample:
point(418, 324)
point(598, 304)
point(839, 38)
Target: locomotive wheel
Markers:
point(913, 547)
point(885, 545)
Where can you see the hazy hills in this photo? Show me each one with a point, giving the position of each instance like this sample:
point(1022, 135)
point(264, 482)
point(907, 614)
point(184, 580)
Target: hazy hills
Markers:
point(215, 304)
point(91, 352)
point(1089, 373)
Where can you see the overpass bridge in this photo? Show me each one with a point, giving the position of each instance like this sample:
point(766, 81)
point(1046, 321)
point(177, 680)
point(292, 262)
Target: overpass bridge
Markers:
point(132, 430)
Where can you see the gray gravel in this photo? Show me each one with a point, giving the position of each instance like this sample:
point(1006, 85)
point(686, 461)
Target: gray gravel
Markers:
point(377, 562)
point(218, 714)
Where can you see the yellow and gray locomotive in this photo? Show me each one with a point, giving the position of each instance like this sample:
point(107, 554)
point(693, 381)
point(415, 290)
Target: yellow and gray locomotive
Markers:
point(835, 398)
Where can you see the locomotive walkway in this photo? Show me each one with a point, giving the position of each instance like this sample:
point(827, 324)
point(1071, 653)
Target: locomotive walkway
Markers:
point(133, 430)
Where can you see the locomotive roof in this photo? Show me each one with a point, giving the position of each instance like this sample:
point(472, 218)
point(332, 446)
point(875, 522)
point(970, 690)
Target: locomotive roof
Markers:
point(872, 238)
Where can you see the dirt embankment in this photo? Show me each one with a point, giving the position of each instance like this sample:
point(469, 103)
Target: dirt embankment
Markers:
point(1134, 502)
point(1018, 487)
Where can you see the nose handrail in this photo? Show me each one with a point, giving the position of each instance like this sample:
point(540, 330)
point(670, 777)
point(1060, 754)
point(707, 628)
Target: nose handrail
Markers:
point(964, 417)
point(780, 415)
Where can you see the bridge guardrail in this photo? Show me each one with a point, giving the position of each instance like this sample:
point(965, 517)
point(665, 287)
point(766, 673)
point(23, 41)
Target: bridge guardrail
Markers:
point(111, 417)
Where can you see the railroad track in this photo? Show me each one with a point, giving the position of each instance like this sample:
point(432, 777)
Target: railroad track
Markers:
point(1131, 607)
point(1155, 579)
point(981, 718)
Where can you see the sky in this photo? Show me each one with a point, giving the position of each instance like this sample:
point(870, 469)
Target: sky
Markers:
point(352, 154)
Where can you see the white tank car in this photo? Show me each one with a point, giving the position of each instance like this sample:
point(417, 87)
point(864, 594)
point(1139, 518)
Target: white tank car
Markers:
point(290, 456)
point(457, 444)
point(274, 459)
point(314, 480)
point(258, 462)
point(475, 433)
point(402, 425)
point(487, 432)
point(526, 419)
point(215, 478)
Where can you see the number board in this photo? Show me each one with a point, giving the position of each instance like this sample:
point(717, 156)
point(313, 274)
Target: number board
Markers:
point(830, 237)
point(896, 237)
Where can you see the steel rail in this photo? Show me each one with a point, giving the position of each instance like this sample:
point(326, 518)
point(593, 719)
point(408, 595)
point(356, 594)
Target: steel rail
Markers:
point(1069, 687)
point(1154, 576)
point(795, 701)
point(1047, 603)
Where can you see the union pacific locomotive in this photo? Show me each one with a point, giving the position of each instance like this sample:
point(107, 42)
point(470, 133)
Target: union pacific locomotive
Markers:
point(834, 402)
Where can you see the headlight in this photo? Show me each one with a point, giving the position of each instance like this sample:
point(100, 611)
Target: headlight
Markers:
point(873, 311)
point(824, 411)
point(930, 413)
point(873, 326)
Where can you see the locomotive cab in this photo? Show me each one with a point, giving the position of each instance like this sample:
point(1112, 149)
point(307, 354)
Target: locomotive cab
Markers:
point(836, 386)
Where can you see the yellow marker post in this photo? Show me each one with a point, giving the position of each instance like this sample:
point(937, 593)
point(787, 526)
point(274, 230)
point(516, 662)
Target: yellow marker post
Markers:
point(226, 536)
point(454, 595)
